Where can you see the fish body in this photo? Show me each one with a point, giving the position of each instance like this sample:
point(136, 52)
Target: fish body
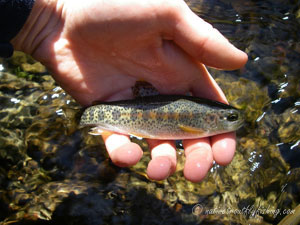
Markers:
point(163, 117)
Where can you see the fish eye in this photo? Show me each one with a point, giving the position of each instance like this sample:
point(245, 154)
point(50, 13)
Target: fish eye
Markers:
point(233, 116)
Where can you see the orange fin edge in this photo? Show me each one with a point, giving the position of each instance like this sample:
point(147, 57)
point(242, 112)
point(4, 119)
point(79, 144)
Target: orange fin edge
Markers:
point(192, 130)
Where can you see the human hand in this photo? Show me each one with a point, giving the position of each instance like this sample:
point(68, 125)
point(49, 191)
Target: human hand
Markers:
point(99, 49)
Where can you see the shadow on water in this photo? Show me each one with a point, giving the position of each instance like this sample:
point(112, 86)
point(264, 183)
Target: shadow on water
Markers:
point(53, 173)
point(93, 208)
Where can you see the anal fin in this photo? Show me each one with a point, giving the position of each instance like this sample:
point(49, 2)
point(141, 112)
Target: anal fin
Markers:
point(98, 131)
point(141, 136)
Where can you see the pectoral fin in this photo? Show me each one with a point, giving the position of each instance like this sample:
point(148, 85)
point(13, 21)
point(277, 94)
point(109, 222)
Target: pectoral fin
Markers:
point(192, 130)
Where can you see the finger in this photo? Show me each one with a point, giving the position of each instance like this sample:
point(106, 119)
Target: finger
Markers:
point(163, 159)
point(223, 147)
point(199, 159)
point(199, 39)
point(208, 87)
point(121, 150)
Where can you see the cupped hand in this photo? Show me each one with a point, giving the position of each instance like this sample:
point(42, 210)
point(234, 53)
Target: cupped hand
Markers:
point(99, 49)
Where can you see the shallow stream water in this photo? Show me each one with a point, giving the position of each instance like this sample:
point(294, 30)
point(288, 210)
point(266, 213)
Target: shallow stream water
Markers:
point(53, 173)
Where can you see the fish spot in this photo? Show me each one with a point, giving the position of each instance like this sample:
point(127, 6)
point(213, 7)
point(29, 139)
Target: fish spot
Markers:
point(184, 116)
point(101, 115)
point(122, 121)
point(146, 115)
point(133, 116)
point(107, 117)
point(115, 114)
point(91, 113)
point(160, 116)
point(212, 117)
point(170, 108)
point(197, 113)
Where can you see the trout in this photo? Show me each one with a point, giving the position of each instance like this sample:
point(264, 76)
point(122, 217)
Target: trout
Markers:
point(165, 117)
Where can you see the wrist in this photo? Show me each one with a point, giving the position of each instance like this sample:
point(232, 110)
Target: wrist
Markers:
point(42, 20)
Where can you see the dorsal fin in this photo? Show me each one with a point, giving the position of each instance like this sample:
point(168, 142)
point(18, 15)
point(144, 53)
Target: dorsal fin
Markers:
point(143, 89)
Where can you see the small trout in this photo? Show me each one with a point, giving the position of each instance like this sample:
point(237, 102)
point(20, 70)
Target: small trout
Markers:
point(172, 117)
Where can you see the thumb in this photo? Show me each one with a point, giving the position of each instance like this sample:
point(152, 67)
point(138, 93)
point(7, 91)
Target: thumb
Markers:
point(205, 43)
